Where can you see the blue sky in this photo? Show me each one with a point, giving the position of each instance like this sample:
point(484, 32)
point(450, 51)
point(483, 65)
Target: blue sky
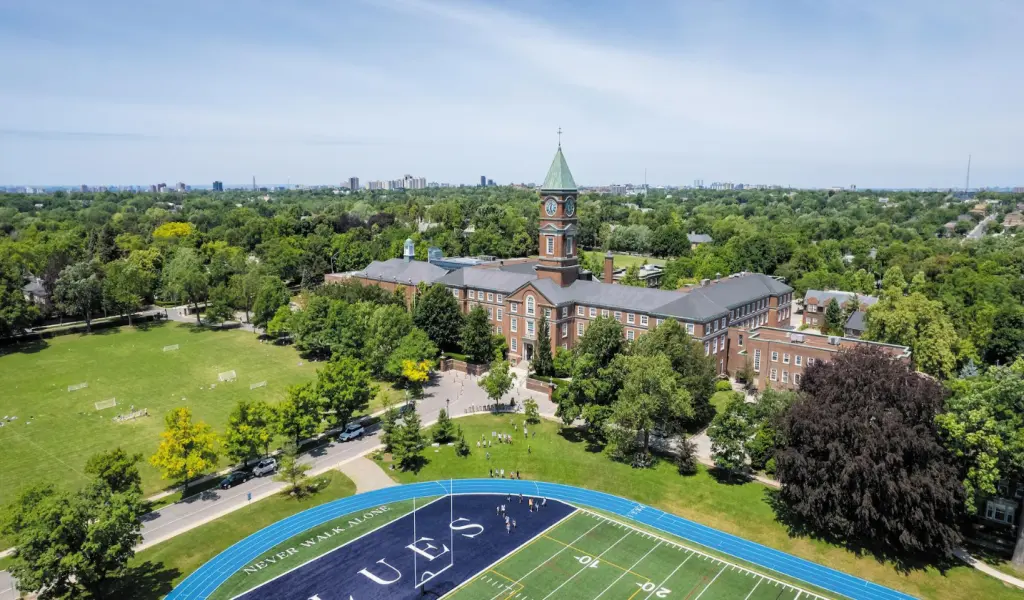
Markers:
point(802, 92)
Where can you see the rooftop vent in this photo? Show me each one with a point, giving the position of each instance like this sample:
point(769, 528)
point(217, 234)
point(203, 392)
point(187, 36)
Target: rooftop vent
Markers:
point(797, 337)
point(834, 340)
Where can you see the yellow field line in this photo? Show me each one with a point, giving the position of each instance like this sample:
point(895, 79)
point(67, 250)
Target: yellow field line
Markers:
point(571, 547)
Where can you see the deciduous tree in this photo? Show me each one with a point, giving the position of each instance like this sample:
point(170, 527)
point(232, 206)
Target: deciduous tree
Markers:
point(298, 416)
point(79, 290)
point(650, 398)
point(117, 470)
point(250, 430)
point(185, 278)
point(344, 386)
point(477, 341)
point(187, 449)
point(437, 313)
point(498, 380)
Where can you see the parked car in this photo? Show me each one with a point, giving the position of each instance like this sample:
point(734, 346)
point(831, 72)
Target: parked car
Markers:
point(234, 479)
point(264, 467)
point(353, 431)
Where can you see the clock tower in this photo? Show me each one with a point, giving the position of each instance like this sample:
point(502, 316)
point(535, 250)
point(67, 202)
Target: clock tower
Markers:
point(559, 258)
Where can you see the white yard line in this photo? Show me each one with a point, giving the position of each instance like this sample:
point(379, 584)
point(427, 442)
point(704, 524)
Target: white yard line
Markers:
point(664, 581)
point(713, 581)
point(587, 566)
point(754, 588)
point(619, 578)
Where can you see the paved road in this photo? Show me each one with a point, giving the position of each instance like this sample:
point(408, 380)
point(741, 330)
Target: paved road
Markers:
point(979, 229)
point(461, 390)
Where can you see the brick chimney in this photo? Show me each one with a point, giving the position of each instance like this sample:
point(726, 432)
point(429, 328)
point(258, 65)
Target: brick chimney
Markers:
point(609, 261)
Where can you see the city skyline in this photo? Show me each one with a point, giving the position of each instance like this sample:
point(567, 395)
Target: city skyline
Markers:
point(876, 94)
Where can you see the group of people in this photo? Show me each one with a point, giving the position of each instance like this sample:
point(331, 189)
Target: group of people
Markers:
point(500, 473)
point(500, 510)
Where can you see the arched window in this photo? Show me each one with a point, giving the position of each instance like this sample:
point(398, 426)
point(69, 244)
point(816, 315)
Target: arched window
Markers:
point(529, 305)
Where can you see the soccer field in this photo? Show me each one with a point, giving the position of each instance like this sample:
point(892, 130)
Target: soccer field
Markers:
point(589, 556)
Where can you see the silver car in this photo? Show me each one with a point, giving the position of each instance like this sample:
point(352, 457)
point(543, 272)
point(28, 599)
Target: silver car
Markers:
point(354, 431)
point(264, 467)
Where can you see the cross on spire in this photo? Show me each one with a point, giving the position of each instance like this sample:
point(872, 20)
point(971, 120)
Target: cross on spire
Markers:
point(559, 138)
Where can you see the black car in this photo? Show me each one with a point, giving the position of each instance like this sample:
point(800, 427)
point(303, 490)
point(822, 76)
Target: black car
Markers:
point(234, 479)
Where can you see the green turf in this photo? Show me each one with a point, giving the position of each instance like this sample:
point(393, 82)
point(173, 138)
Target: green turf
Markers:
point(566, 456)
point(588, 556)
point(720, 400)
point(155, 571)
point(244, 581)
point(628, 260)
point(57, 430)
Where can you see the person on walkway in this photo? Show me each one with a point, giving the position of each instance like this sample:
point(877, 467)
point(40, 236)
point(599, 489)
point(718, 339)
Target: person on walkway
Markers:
point(531, 504)
point(513, 523)
point(508, 528)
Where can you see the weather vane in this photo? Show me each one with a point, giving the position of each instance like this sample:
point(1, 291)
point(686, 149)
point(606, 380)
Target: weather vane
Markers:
point(559, 137)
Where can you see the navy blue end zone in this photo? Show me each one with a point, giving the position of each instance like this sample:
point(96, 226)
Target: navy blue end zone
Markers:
point(379, 565)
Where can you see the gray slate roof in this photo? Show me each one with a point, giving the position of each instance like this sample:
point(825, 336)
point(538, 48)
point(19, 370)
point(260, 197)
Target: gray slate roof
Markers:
point(35, 287)
point(857, 321)
point(699, 238)
point(413, 272)
point(824, 297)
point(528, 268)
point(488, 279)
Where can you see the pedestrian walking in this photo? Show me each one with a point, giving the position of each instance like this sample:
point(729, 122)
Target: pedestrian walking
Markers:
point(490, 472)
point(518, 476)
point(531, 504)
point(520, 497)
point(544, 502)
point(497, 510)
point(508, 498)
point(508, 528)
point(529, 449)
point(513, 523)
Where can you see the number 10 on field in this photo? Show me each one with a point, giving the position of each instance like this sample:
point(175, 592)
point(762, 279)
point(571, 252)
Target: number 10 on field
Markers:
point(650, 586)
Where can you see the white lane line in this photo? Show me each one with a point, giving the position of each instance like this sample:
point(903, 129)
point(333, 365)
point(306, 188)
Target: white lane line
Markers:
point(655, 547)
point(754, 588)
point(587, 566)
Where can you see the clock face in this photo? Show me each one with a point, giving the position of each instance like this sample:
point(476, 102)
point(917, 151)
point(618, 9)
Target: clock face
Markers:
point(551, 207)
point(570, 207)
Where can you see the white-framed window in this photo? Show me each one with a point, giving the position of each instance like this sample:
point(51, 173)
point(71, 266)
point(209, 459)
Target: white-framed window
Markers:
point(1000, 510)
point(739, 340)
point(785, 377)
point(514, 344)
point(732, 313)
point(529, 328)
point(604, 312)
point(550, 244)
point(722, 323)
point(796, 378)
point(798, 360)
point(593, 312)
point(514, 307)
point(547, 313)
point(629, 334)
point(500, 299)
point(568, 245)
point(618, 316)
point(785, 358)
point(579, 329)
point(472, 295)
point(773, 375)
point(643, 320)
point(659, 322)
point(490, 312)
point(579, 311)
point(689, 328)
point(757, 360)
point(529, 306)
point(500, 313)
point(455, 293)
point(490, 297)
point(497, 329)
point(565, 345)
point(565, 330)
point(775, 356)
point(810, 361)
point(711, 327)
point(565, 311)
point(714, 346)
point(513, 324)
point(707, 348)
point(630, 318)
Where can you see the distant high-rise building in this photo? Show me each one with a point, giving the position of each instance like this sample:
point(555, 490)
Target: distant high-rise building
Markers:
point(181, 186)
point(84, 188)
point(353, 183)
point(1018, 190)
point(152, 188)
point(161, 187)
point(218, 186)
point(483, 180)
point(490, 182)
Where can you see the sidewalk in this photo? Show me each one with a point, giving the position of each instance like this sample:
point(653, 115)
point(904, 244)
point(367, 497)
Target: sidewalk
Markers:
point(366, 474)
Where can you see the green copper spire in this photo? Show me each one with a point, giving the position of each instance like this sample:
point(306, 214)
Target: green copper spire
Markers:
point(559, 178)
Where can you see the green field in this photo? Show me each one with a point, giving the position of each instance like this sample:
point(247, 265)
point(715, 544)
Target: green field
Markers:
point(565, 455)
point(589, 556)
point(56, 430)
point(627, 260)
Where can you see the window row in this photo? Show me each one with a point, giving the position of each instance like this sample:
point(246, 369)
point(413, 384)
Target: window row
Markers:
point(774, 376)
point(482, 296)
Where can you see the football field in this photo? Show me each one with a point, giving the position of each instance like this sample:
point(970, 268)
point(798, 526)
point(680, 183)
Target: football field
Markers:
point(588, 556)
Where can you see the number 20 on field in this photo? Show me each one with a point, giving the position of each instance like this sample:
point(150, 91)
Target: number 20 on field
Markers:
point(650, 586)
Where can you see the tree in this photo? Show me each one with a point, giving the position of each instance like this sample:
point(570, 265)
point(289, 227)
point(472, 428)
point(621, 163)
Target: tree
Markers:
point(893, 281)
point(1006, 341)
point(250, 430)
point(872, 416)
point(248, 284)
point(387, 327)
point(461, 447)
point(632, 276)
point(72, 544)
point(694, 370)
point(271, 296)
point(767, 414)
point(125, 285)
point(983, 426)
point(833, 318)
point(919, 323)
point(298, 416)
point(117, 470)
point(344, 386)
point(437, 313)
point(407, 441)
point(444, 429)
point(415, 374)
point(388, 424)
point(185, 278)
point(415, 347)
point(686, 457)
point(498, 380)
point(531, 411)
point(292, 472)
point(543, 363)
point(603, 340)
point(477, 342)
point(562, 362)
point(650, 398)
point(281, 325)
point(220, 307)
point(78, 291)
point(16, 312)
point(186, 449)
point(729, 432)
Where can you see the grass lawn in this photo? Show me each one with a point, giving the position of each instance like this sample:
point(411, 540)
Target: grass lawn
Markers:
point(155, 571)
point(563, 456)
point(57, 430)
point(720, 400)
point(627, 260)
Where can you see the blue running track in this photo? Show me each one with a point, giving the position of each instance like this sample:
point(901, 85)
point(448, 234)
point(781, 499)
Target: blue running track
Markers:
point(207, 578)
